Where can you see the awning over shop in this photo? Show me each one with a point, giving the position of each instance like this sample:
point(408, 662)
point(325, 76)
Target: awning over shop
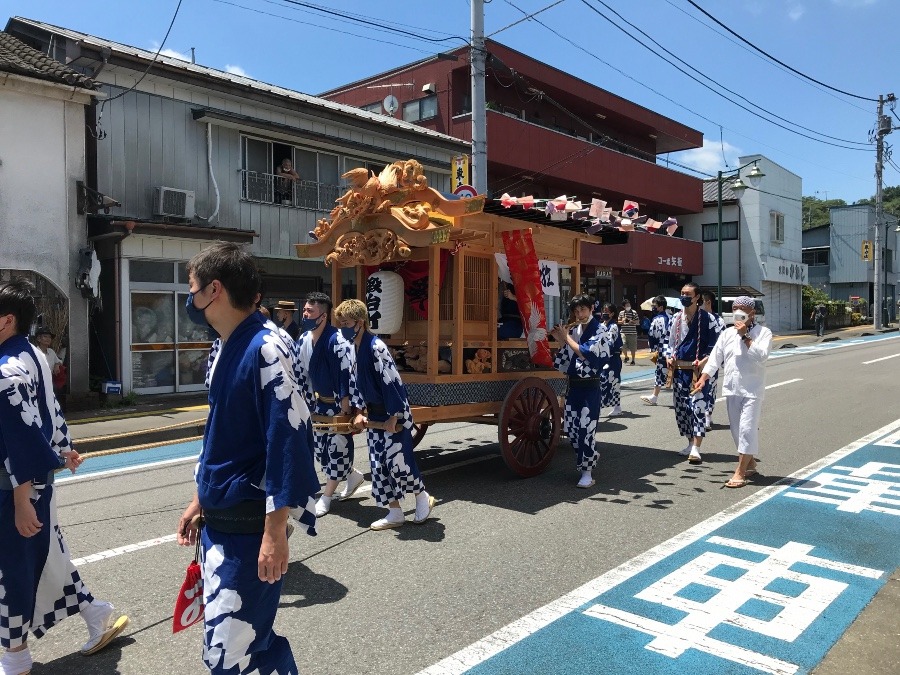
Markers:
point(100, 228)
point(649, 253)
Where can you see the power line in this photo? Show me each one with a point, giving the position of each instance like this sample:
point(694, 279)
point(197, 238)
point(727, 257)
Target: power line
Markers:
point(316, 25)
point(526, 17)
point(368, 22)
point(760, 56)
point(715, 91)
point(781, 63)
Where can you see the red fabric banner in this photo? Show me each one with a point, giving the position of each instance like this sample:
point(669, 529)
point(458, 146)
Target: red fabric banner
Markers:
point(526, 277)
point(415, 280)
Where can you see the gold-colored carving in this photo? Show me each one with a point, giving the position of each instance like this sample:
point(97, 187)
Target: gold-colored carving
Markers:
point(367, 248)
point(396, 201)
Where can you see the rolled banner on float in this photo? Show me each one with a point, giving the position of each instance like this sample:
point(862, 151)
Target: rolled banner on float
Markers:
point(384, 301)
point(526, 276)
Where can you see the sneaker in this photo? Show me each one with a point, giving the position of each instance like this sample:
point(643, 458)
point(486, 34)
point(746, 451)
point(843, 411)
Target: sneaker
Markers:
point(354, 480)
point(104, 625)
point(424, 506)
point(586, 481)
point(323, 506)
point(649, 400)
point(16, 663)
point(393, 519)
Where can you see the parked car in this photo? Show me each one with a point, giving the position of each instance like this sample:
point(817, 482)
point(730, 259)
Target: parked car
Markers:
point(728, 310)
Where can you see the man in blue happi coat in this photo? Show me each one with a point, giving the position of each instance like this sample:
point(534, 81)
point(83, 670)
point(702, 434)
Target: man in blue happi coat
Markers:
point(327, 377)
point(382, 407)
point(658, 337)
point(584, 351)
point(255, 466)
point(39, 585)
point(691, 339)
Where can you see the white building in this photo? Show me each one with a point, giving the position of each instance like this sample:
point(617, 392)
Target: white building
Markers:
point(42, 156)
point(761, 240)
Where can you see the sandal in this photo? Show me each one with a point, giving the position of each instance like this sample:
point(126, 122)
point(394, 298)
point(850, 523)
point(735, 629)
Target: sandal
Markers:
point(737, 483)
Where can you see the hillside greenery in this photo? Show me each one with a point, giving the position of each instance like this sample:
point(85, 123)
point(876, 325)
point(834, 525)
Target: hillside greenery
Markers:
point(815, 210)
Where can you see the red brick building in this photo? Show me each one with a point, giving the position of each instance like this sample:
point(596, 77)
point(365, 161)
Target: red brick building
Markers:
point(549, 134)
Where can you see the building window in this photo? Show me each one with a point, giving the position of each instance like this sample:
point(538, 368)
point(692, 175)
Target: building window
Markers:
point(373, 107)
point(729, 231)
point(420, 109)
point(316, 189)
point(776, 221)
point(816, 257)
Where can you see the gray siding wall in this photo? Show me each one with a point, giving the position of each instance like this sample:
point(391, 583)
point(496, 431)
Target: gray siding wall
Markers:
point(152, 140)
point(849, 227)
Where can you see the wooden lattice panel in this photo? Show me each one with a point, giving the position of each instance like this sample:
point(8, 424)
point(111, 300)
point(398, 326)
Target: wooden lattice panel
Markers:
point(478, 289)
point(446, 296)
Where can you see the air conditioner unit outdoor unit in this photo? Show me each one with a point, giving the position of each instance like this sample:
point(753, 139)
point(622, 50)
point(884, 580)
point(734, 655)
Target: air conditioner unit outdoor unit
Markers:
point(173, 203)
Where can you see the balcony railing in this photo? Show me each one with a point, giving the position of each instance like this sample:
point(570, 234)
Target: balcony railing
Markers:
point(267, 188)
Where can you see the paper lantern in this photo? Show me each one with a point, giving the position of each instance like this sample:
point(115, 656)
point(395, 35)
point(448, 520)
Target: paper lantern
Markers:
point(384, 300)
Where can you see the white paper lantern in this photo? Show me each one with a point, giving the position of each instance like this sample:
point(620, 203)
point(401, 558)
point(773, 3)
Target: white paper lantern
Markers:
point(384, 300)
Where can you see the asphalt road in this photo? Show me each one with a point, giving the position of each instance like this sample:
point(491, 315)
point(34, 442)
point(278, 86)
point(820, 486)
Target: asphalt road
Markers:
point(357, 601)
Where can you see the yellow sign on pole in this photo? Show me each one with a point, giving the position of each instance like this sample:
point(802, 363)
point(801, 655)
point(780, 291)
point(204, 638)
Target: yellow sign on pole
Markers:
point(867, 250)
point(460, 168)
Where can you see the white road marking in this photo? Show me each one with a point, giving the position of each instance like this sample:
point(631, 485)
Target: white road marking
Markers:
point(121, 550)
point(518, 630)
point(883, 358)
point(771, 386)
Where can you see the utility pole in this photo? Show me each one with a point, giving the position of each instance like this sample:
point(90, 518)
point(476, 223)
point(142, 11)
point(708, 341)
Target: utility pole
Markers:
point(479, 105)
point(882, 128)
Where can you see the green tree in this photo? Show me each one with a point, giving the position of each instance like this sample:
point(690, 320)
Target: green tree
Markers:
point(890, 197)
point(815, 211)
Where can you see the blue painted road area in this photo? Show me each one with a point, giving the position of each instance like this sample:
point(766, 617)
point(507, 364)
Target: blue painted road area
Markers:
point(132, 460)
point(768, 586)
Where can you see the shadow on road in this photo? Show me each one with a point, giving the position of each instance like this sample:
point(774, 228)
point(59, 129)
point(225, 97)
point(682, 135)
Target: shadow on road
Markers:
point(311, 587)
point(102, 663)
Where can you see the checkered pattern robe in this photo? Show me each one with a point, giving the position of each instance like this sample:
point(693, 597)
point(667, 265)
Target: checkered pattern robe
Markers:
point(659, 340)
point(39, 586)
point(611, 378)
point(583, 403)
point(394, 469)
point(327, 366)
point(717, 323)
point(691, 341)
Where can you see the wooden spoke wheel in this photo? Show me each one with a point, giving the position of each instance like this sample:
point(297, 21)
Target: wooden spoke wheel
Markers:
point(529, 426)
point(418, 432)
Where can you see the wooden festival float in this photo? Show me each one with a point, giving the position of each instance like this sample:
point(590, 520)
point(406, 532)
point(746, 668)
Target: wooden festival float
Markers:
point(426, 267)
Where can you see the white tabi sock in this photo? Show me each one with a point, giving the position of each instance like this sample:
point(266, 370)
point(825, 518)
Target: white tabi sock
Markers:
point(323, 506)
point(15, 663)
point(395, 515)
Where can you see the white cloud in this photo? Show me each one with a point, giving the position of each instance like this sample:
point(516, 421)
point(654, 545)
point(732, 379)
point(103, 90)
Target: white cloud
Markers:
point(171, 53)
point(795, 12)
point(236, 70)
point(709, 158)
point(854, 3)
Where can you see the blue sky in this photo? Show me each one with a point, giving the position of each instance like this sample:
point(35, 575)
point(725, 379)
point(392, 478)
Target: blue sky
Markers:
point(848, 44)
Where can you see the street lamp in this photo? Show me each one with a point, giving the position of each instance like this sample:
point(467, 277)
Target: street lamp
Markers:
point(737, 187)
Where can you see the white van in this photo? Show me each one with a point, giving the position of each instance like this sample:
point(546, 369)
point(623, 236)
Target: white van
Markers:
point(728, 311)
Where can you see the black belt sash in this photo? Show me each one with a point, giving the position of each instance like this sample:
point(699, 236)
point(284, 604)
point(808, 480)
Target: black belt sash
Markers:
point(376, 409)
point(247, 517)
point(584, 382)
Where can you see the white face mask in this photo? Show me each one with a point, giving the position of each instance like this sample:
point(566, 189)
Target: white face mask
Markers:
point(740, 316)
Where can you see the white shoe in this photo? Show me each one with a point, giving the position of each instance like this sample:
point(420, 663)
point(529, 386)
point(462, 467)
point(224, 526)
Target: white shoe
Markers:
point(323, 506)
point(586, 481)
point(104, 625)
point(393, 519)
point(354, 480)
point(424, 505)
point(649, 400)
point(16, 663)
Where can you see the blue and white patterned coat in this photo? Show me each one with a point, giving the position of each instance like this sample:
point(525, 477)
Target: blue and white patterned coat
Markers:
point(717, 323)
point(39, 586)
point(691, 340)
point(658, 337)
point(583, 402)
point(382, 394)
point(257, 447)
point(611, 378)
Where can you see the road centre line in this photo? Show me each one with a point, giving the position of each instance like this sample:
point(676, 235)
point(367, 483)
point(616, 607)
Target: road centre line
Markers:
point(883, 358)
point(771, 386)
point(518, 630)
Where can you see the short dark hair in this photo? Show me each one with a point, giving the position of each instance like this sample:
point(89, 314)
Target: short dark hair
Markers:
point(319, 298)
point(581, 300)
point(709, 296)
point(613, 313)
point(17, 298)
point(696, 287)
point(660, 301)
point(233, 266)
